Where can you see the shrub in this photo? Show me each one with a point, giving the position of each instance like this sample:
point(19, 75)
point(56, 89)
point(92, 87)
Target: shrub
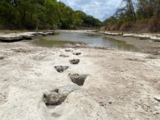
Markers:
point(126, 25)
point(144, 20)
point(103, 28)
point(155, 24)
point(120, 23)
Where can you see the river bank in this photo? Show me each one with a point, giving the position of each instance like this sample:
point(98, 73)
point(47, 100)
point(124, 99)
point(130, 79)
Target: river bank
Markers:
point(141, 41)
point(40, 83)
point(146, 46)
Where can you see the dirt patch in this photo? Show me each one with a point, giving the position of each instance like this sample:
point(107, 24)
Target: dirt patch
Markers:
point(152, 57)
point(21, 50)
point(3, 97)
point(56, 115)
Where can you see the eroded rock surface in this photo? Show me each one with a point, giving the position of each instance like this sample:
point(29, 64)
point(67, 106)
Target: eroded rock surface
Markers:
point(64, 56)
point(115, 89)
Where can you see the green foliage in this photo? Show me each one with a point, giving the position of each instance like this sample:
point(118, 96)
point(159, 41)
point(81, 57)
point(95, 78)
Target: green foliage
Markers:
point(140, 11)
point(88, 20)
point(41, 14)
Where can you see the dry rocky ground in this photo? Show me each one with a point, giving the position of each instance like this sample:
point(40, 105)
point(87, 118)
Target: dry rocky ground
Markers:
point(38, 83)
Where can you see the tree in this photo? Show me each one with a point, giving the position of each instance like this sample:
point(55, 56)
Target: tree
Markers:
point(128, 8)
point(44, 14)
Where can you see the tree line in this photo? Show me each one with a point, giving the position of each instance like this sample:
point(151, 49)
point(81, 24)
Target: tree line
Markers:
point(135, 12)
point(42, 14)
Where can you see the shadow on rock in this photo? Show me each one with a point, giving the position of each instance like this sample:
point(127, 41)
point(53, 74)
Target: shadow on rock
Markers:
point(1, 58)
point(77, 53)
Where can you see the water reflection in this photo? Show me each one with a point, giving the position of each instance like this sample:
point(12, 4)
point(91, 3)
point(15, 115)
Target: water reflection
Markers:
point(90, 39)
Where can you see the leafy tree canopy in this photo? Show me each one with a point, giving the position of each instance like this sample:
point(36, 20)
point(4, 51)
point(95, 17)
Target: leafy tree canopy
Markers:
point(42, 14)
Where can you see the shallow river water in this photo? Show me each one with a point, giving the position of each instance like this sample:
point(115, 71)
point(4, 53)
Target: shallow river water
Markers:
point(91, 40)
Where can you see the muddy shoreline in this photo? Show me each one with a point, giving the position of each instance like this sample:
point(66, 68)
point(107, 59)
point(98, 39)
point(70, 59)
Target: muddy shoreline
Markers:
point(145, 46)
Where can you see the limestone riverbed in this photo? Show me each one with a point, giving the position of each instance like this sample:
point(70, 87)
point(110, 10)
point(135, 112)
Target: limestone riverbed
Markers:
point(39, 83)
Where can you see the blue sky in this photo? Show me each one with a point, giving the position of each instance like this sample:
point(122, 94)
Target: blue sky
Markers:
point(100, 9)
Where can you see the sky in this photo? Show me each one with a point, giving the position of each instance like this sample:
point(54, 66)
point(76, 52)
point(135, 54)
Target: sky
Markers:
point(100, 9)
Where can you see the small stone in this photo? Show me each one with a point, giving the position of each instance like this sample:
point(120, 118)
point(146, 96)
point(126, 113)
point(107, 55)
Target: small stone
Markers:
point(102, 104)
point(110, 102)
point(156, 112)
point(157, 98)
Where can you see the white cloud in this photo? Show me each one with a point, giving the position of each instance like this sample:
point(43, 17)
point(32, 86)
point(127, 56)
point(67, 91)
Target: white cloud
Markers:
point(100, 9)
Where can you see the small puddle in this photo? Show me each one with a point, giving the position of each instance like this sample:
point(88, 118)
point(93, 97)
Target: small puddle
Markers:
point(91, 40)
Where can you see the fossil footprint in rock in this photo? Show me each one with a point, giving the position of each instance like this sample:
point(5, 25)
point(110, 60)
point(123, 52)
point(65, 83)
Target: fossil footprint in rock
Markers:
point(1, 58)
point(78, 79)
point(77, 53)
point(69, 50)
point(74, 61)
point(57, 96)
point(64, 56)
point(61, 69)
